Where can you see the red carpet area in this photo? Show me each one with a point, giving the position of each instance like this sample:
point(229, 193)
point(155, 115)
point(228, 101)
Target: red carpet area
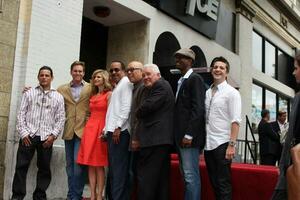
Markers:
point(250, 182)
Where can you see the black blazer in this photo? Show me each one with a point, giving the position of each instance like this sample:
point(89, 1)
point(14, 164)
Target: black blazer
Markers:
point(269, 139)
point(275, 127)
point(155, 115)
point(190, 111)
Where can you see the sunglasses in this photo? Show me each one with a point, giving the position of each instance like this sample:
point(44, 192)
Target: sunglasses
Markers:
point(132, 69)
point(116, 70)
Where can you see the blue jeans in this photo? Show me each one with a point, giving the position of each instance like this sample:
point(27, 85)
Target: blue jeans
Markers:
point(75, 172)
point(189, 167)
point(118, 155)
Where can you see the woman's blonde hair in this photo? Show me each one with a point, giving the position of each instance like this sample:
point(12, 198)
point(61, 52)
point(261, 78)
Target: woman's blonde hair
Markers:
point(106, 84)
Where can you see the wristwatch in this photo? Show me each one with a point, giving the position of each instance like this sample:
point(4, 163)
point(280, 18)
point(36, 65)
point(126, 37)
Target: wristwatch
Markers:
point(232, 143)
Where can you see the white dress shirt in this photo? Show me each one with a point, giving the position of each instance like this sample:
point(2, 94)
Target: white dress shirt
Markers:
point(180, 81)
point(283, 130)
point(42, 113)
point(119, 107)
point(222, 110)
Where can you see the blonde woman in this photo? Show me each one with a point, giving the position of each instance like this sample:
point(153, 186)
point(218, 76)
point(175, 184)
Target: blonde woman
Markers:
point(93, 151)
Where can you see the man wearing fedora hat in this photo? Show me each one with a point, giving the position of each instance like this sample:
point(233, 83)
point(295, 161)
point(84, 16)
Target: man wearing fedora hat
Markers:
point(189, 122)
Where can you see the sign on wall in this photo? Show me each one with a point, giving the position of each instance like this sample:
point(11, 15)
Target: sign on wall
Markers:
point(201, 15)
point(210, 8)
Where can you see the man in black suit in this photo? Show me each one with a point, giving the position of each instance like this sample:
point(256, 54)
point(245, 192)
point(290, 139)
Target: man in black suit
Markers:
point(154, 133)
point(280, 127)
point(269, 141)
point(189, 122)
point(293, 137)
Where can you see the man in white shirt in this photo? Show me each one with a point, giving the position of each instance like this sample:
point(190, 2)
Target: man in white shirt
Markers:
point(223, 115)
point(281, 126)
point(116, 127)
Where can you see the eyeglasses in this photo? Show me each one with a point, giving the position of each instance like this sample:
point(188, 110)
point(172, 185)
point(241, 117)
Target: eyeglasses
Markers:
point(116, 70)
point(132, 69)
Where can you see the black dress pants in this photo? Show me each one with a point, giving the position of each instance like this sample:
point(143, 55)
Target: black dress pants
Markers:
point(219, 171)
point(24, 157)
point(153, 173)
point(269, 159)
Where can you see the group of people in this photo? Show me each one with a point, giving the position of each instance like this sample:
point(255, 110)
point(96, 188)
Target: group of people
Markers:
point(128, 119)
point(272, 136)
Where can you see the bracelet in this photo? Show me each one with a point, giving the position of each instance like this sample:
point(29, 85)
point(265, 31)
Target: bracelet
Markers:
point(232, 143)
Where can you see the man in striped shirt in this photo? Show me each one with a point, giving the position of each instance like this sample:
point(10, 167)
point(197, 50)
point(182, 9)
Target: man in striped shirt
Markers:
point(40, 120)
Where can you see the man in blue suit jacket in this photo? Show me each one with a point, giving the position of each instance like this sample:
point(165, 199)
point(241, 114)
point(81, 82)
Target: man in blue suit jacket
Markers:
point(189, 123)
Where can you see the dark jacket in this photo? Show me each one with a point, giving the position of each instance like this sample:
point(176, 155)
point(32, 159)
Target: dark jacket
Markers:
point(155, 115)
point(190, 111)
point(269, 140)
point(285, 161)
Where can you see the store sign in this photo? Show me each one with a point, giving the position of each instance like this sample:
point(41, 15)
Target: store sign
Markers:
point(210, 8)
point(200, 15)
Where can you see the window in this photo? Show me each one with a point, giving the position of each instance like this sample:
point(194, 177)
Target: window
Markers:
point(263, 98)
point(257, 51)
point(270, 59)
point(285, 69)
point(283, 104)
point(257, 103)
point(271, 104)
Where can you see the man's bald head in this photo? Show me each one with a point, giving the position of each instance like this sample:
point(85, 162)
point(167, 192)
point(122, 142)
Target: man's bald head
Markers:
point(134, 71)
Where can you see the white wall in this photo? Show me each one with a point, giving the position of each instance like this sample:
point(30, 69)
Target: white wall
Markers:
point(48, 34)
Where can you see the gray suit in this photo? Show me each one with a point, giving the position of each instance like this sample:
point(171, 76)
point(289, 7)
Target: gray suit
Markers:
point(280, 192)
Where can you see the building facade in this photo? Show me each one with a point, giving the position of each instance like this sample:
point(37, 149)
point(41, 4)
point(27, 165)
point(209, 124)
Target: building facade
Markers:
point(259, 38)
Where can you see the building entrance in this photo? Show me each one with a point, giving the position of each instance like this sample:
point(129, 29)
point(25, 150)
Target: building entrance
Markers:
point(111, 31)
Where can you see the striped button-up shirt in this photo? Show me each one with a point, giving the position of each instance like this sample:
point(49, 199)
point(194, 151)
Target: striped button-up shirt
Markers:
point(42, 113)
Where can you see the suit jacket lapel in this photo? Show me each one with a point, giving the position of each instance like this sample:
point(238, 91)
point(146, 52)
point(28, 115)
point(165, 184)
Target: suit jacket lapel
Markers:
point(70, 93)
point(81, 92)
point(180, 89)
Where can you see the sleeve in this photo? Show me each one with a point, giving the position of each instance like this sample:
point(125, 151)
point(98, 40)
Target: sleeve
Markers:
point(22, 128)
point(268, 130)
point(235, 107)
point(59, 117)
point(153, 101)
point(197, 97)
point(126, 97)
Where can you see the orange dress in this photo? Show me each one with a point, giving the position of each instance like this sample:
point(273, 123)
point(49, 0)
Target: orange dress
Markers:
point(93, 150)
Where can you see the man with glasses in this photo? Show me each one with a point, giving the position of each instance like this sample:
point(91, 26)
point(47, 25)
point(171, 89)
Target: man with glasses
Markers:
point(135, 76)
point(117, 124)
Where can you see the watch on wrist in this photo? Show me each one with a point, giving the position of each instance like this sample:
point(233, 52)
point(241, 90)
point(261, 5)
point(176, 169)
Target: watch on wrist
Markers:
point(232, 143)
